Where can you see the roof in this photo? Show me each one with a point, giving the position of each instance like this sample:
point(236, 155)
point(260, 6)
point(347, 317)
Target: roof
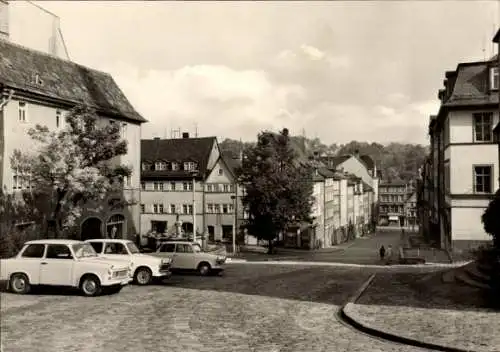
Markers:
point(54, 241)
point(325, 172)
point(367, 187)
point(392, 183)
point(63, 81)
point(109, 240)
point(334, 161)
point(497, 128)
point(180, 150)
point(232, 162)
point(471, 86)
point(369, 162)
point(496, 38)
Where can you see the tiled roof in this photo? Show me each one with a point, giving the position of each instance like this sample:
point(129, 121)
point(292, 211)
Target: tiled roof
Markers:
point(392, 183)
point(496, 38)
point(471, 86)
point(62, 80)
point(180, 150)
point(232, 161)
point(325, 172)
point(367, 187)
point(370, 164)
point(334, 161)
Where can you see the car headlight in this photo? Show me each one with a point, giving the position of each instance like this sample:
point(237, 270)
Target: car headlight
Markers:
point(165, 261)
point(110, 270)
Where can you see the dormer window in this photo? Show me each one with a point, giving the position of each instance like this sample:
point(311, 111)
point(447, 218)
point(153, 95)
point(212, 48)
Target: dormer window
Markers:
point(160, 166)
point(175, 166)
point(494, 78)
point(189, 166)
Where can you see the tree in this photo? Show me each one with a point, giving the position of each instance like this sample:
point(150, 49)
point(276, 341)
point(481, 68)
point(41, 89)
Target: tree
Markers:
point(71, 168)
point(491, 219)
point(278, 189)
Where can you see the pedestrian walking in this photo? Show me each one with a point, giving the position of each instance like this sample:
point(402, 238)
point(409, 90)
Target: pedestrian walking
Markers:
point(382, 252)
point(389, 253)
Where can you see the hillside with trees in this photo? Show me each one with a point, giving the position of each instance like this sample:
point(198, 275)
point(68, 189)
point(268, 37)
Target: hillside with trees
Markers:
point(397, 161)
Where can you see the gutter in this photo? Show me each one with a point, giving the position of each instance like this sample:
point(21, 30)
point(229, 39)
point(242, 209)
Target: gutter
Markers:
point(5, 101)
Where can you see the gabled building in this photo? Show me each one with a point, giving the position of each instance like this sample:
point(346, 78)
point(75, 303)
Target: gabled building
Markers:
point(465, 163)
point(392, 197)
point(186, 183)
point(38, 88)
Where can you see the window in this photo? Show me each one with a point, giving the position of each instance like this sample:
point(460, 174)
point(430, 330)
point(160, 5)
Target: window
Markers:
point(58, 251)
point(58, 119)
point(483, 123)
point(183, 248)
point(231, 188)
point(144, 166)
point(217, 208)
point(127, 180)
point(155, 208)
point(209, 188)
point(167, 248)
point(483, 179)
point(221, 172)
point(494, 77)
point(34, 251)
point(189, 166)
point(158, 226)
point(190, 209)
point(123, 130)
point(226, 188)
point(143, 208)
point(224, 208)
point(22, 111)
point(173, 209)
point(175, 166)
point(231, 208)
point(143, 186)
point(115, 248)
point(97, 246)
point(210, 208)
point(187, 186)
point(158, 186)
point(172, 186)
point(160, 206)
point(160, 166)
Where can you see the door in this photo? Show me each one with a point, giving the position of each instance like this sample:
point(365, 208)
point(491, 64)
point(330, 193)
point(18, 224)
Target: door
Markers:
point(115, 250)
point(57, 266)
point(184, 256)
point(32, 256)
point(167, 250)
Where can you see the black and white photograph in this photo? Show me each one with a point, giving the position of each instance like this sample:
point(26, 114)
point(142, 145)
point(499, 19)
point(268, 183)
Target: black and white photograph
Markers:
point(250, 176)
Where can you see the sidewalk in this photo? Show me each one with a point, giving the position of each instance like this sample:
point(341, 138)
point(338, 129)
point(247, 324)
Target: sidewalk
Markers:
point(419, 309)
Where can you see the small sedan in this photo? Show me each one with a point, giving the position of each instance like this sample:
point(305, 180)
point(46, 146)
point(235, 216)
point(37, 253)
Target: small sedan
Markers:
point(145, 268)
point(188, 256)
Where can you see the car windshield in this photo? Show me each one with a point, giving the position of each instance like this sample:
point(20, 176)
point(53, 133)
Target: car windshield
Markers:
point(83, 250)
point(132, 248)
point(196, 248)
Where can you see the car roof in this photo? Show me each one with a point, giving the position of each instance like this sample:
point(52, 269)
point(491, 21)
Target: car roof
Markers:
point(109, 240)
point(177, 241)
point(54, 241)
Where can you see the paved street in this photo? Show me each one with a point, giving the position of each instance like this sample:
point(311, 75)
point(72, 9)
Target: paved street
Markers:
point(250, 308)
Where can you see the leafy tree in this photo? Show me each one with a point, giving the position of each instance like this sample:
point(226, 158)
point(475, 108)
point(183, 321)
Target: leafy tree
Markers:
point(71, 168)
point(278, 187)
point(491, 219)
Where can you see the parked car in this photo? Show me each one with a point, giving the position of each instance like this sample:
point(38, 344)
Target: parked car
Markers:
point(187, 255)
point(58, 262)
point(144, 267)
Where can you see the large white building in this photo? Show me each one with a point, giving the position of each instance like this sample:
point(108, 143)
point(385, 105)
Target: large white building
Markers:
point(40, 88)
point(466, 162)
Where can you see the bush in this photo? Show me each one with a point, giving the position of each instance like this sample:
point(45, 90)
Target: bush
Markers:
point(13, 239)
point(491, 219)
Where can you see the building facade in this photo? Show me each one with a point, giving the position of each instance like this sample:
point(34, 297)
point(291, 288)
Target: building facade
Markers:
point(465, 156)
point(410, 208)
point(187, 184)
point(392, 198)
point(37, 88)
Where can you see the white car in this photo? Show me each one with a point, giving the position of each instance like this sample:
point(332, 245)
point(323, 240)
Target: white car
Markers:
point(145, 267)
point(59, 262)
point(187, 255)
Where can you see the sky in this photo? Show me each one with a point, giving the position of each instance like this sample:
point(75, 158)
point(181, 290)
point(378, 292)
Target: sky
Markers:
point(339, 71)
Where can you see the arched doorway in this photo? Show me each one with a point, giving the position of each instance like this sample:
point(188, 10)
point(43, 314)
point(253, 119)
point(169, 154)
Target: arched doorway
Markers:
point(115, 226)
point(91, 228)
point(187, 227)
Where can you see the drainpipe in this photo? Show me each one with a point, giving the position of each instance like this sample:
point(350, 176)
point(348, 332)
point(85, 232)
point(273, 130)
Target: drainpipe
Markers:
point(6, 100)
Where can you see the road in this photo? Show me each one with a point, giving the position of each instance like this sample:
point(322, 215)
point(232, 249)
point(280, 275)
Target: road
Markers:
point(266, 308)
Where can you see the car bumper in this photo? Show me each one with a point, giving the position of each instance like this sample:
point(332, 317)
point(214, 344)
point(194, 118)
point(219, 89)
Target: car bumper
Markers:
point(163, 274)
point(121, 282)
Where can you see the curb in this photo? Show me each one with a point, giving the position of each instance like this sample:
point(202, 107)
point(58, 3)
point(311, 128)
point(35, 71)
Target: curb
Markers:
point(284, 261)
point(386, 335)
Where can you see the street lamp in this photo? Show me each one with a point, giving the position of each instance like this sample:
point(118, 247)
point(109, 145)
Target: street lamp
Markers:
point(233, 198)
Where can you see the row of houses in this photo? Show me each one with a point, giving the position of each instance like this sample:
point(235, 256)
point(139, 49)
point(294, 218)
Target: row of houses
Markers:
point(462, 171)
point(397, 204)
point(184, 181)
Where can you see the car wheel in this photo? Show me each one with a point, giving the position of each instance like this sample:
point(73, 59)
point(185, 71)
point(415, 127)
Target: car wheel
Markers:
point(90, 286)
point(143, 276)
point(19, 283)
point(204, 269)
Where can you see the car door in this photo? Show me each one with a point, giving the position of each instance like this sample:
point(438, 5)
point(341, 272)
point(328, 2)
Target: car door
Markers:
point(56, 268)
point(184, 256)
point(30, 260)
point(167, 250)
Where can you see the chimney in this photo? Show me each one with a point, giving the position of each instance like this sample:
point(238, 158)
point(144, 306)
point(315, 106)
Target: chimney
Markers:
point(185, 135)
point(356, 153)
point(4, 19)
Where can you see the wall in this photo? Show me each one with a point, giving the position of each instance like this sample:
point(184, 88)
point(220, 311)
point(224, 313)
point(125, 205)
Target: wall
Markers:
point(344, 220)
point(461, 125)
point(466, 224)
point(356, 167)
